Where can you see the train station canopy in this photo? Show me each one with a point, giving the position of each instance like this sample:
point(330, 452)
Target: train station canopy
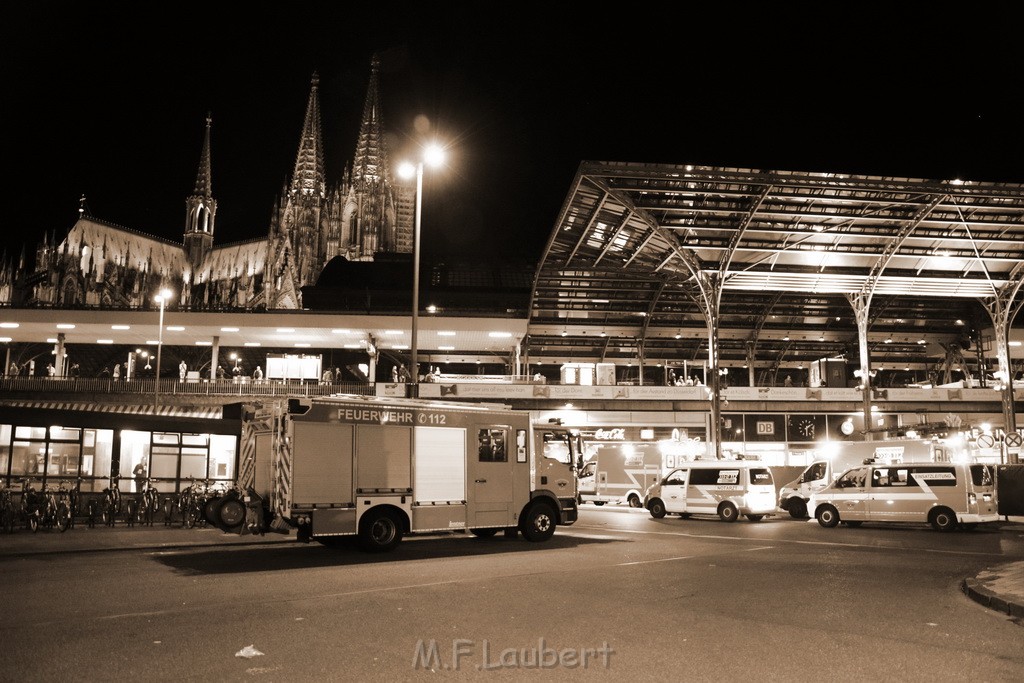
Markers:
point(642, 254)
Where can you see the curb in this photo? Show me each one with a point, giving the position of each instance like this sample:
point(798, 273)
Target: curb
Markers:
point(976, 591)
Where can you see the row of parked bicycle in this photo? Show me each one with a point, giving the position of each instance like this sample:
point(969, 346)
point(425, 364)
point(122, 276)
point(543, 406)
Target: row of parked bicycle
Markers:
point(61, 508)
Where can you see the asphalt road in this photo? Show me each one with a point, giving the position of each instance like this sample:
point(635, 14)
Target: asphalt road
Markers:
point(617, 595)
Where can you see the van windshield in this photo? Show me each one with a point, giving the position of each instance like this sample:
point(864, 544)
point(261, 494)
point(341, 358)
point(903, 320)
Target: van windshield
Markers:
point(814, 472)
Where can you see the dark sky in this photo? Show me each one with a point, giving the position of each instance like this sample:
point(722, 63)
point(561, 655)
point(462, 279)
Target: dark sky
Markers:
point(108, 100)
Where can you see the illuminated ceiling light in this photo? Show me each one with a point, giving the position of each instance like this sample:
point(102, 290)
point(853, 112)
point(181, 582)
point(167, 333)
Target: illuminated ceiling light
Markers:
point(602, 333)
point(5, 339)
point(120, 327)
point(1014, 343)
point(392, 332)
point(104, 341)
point(786, 338)
point(431, 308)
point(499, 335)
point(679, 336)
point(353, 346)
point(956, 181)
point(564, 333)
point(152, 342)
point(838, 318)
point(340, 331)
point(285, 330)
point(51, 340)
point(204, 343)
point(65, 326)
point(229, 329)
point(400, 346)
point(446, 348)
point(959, 322)
point(10, 326)
point(600, 301)
point(176, 328)
point(252, 343)
point(888, 340)
point(302, 345)
point(445, 333)
point(921, 341)
point(821, 338)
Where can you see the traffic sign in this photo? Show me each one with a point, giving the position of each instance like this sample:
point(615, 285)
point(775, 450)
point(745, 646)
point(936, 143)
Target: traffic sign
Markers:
point(1013, 439)
point(986, 441)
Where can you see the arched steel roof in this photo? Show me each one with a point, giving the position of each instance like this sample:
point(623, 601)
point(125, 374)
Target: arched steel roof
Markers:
point(641, 252)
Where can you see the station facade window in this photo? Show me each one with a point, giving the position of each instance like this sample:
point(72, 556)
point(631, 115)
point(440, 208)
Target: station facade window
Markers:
point(49, 456)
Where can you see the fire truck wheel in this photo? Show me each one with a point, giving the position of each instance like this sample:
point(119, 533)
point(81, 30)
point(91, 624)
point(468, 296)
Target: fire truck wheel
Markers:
point(728, 512)
point(942, 519)
point(539, 523)
point(484, 533)
point(634, 501)
point(828, 516)
point(657, 508)
point(379, 531)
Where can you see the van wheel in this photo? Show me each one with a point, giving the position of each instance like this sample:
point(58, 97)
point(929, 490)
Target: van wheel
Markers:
point(797, 508)
point(942, 519)
point(598, 502)
point(539, 524)
point(755, 518)
point(728, 512)
point(379, 531)
point(484, 533)
point(657, 508)
point(684, 515)
point(634, 501)
point(828, 516)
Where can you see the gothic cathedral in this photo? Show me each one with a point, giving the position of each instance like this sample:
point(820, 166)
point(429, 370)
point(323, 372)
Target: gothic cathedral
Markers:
point(100, 264)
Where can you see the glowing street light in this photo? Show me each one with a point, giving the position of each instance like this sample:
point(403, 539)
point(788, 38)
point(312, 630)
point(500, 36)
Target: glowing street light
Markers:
point(161, 298)
point(433, 155)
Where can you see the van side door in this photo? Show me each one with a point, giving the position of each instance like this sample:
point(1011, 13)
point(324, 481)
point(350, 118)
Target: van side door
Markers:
point(851, 494)
point(673, 491)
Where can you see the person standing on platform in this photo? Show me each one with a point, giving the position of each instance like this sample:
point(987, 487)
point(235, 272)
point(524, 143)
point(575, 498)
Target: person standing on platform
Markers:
point(257, 374)
point(182, 370)
point(117, 371)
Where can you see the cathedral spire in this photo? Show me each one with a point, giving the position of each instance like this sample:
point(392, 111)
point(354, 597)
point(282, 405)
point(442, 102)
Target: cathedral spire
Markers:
point(371, 156)
point(201, 207)
point(308, 177)
point(204, 186)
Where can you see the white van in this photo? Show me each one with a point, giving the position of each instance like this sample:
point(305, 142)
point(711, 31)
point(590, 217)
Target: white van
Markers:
point(945, 495)
point(727, 488)
point(794, 496)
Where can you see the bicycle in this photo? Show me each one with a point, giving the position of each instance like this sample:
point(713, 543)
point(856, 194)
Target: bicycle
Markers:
point(32, 506)
point(110, 508)
point(8, 511)
point(58, 508)
point(148, 504)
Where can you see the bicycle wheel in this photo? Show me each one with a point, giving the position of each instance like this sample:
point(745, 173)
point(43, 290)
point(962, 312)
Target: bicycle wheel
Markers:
point(131, 513)
point(63, 517)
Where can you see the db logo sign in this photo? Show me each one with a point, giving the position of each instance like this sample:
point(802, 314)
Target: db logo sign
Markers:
point(766, 428)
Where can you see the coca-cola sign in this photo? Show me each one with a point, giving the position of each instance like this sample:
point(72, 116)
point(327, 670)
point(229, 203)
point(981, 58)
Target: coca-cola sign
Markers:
point(616, 434)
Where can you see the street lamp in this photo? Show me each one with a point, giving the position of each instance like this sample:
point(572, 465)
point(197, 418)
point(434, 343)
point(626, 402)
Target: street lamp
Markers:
point(433, 155)
point(161, 299)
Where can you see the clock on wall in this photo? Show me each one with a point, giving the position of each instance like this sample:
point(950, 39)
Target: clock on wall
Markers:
point(846, 427)
point(806, 427)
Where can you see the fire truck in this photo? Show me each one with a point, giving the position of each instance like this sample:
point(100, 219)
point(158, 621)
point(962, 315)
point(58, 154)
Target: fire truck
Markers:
point(378, 468)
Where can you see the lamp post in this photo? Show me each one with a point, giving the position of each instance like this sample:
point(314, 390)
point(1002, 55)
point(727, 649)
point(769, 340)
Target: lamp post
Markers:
point(434, 155)
point(161, 299)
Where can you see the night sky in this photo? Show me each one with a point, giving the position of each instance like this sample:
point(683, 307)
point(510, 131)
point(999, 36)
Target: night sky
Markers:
point(109, 99)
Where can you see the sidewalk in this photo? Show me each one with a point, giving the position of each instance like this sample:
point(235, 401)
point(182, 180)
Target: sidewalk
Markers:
point(120, 537)
point(1000, 587)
